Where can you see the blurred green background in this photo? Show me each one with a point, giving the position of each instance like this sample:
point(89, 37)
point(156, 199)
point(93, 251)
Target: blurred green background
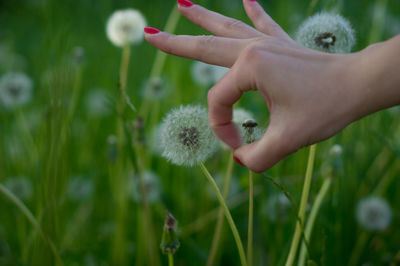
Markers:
point(70, 160)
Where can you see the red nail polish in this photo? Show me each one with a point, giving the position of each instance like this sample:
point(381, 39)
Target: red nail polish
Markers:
point(185, 3)
point(151, 30)
point(253, 0)
point(237, 160)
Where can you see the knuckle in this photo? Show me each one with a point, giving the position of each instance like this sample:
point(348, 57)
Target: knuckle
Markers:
point(203, 45)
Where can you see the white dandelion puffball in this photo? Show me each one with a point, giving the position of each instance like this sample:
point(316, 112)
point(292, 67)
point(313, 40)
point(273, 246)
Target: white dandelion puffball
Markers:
point(79, 188)
point(151, 185)
point(15, 90)
point(205, 74)
point(187, 138)
point(21, 187)
point(277, 207)
point(155, 88)
point(125, 27)
point(373, 213)
point(97, 103)
point(326, 32)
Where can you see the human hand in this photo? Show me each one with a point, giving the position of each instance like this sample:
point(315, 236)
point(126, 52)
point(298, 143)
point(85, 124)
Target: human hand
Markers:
point(310, 95)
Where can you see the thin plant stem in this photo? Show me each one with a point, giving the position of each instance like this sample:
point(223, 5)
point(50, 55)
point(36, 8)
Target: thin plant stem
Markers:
point(303, 205)
point(227, 215)
point(250, 226)
point(27, 213)
point(314, 212)
point(170, 260)
point(218, 227)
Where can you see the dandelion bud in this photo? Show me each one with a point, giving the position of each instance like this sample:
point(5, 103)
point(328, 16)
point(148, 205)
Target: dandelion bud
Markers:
point(169, 242)
point(79, 55)
point(112, 148)
point(326, 32)
point(138, 130)
point(125, 27)
point(15, 90)
point(373, 213)
point(186, 137)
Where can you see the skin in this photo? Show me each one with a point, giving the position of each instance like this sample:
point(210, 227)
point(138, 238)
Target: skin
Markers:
point(310, 95)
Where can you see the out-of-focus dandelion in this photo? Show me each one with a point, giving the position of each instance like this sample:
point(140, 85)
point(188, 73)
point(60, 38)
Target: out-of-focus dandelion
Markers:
point(79, 188)
point(125, 27)
point(373, 213)
point(186, 137)
point(277, 207)
point(326, 32)
point(112, 148)
point(78, 55)
point(15, 90)
point(97, 103)
point(155, 89)
point(151, 185)
point(205, 74)
point(21, 187)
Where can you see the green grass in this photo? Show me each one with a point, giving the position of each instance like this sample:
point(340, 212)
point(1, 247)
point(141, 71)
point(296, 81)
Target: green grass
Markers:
point(53, 139)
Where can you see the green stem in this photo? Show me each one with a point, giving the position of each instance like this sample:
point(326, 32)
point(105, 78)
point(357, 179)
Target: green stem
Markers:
point(170, 260)
point(25, 211)
point(227, 215)
point(314, 212)
point(218, 227)
point(303, 206)
point(250, 226)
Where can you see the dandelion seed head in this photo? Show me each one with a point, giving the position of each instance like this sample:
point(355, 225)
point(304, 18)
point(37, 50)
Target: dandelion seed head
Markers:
point(186, 137)
point(97, 103)
point(277, 207)
point(326, 32)
point(205, 74)
point(125, 27)
point(79, 188)
point(373, 213)
point(21, 187)
point(336, 150)
point(151, 185)
point(15, 90)
point(155, 88)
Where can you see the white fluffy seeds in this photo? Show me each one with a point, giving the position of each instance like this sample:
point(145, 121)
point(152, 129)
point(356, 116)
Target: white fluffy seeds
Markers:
point(373, 213)
point(15, 90)
point(326, 32)
point(186, 137)
point(207, 75)
point(125, 27)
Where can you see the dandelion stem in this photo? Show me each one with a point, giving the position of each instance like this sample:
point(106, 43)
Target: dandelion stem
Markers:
point(170, 260)
point(218, 227)
point(314, 212)
point(250, 226)
point(227, 215)
point(303, 205)
point(25, 211)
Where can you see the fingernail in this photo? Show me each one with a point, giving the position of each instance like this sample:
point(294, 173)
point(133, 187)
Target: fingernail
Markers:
point(151, 30)
point(253, 0)
point(237, 160)
point(185, 3)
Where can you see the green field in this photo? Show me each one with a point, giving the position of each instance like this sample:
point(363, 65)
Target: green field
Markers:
point(82, 181)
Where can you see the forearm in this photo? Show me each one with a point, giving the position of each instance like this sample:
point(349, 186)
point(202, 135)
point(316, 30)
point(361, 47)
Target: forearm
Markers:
point(378, 76)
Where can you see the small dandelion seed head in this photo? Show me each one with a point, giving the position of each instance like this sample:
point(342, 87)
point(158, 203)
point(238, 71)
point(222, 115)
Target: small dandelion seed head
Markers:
point(21, 187)
point(326, 32)
point(151, 185)
point(156, 88)
point(125, 27)
point(79, 188)
point(205, 74)
point(277, 207)
point(15, 90)
point(78, 54)
point(373, 213)
point(186, 137)
point(98, 103)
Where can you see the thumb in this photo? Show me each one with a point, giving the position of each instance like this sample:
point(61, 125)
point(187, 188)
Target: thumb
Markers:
point(267, 151)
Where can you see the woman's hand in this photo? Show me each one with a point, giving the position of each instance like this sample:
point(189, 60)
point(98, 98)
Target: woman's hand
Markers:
point(310, 95)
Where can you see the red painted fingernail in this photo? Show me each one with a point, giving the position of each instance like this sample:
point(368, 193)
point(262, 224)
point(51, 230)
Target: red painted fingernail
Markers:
point(253, 0)
point(185, 3)
point(237, 160)
point(151, 30)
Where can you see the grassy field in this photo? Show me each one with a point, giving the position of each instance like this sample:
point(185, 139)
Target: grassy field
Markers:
point(73, 193)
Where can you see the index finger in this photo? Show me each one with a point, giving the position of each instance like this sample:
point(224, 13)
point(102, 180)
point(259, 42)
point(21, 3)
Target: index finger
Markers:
point(209, 49)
